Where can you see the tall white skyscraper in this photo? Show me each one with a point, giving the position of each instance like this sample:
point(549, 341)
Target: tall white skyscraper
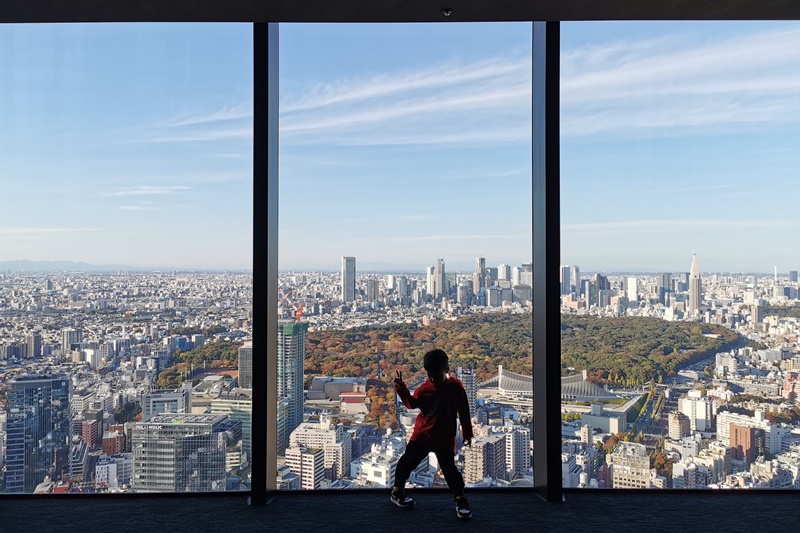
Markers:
point(348, 279)
point(504, 271)
point(695, 286)
point(439, 280)
point(632, 289)
point(429, 283)
point(291, 357)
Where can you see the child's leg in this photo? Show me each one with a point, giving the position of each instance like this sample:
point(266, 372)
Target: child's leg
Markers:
point(409, 461)
point(451, 474)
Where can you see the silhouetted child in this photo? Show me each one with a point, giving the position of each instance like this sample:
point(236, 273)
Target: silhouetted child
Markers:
point(439, 400)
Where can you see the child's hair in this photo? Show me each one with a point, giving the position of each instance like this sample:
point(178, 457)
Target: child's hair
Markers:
point(435, 360)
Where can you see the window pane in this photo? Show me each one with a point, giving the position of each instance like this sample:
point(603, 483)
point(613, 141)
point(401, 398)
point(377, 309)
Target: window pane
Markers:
point(679, 329)
point(405, 225)
point(126, 256)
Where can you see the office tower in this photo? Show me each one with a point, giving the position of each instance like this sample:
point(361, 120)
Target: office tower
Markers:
point(429, 283)
point(589, 291)
point(575, 280)
point(469, 380)
point(335, 443)
point(238, 405)
point(793, 276)
point(198, 340)
point(463, 294)
point(601, 282)
point(348, 279)
point(664, 283)
point(34, 342)
point(485, 458)
point(631, 466)
point(391, 282)
point(71, 338)
point(439, 280)
point(162, 401)
point(37, 430)
point(695, 287)
point(504, 272)
point(182, 453)
point(479, 277)
point(372, 289)
point(291, 357)
point(246, 365)
point(402, 287)
point(632, 289)
point(309, 464)
point(564, 279)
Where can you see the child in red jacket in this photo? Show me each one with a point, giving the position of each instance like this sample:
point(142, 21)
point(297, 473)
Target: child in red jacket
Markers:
point(439, 400)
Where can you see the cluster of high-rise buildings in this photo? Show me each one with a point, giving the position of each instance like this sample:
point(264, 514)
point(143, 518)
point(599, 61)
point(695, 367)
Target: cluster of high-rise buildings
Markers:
point(726, 422)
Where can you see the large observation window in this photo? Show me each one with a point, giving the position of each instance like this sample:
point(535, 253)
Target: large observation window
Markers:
point(679, 284)
point(405, 225)
point(126, 257)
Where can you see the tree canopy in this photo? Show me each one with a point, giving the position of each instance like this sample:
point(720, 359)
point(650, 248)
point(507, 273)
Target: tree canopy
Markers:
point(634, 350)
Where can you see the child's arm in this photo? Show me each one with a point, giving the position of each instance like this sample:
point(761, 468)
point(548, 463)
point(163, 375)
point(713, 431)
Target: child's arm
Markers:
point(464, 416)
point(408, 399)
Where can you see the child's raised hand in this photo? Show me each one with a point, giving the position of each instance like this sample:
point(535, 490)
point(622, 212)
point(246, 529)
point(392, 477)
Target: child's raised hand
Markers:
point(398, 380)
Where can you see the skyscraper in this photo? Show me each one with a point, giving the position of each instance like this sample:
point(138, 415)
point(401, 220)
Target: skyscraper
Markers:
point(348, 279)
point(479, 278)
point(504, 271)
point(70, 337)
point(246, 365)
point(468, 379)
point(564, 279)
point(575, 280)
point(429, 283)
point(37, 430)
point(664, 281)
point(695, 287)
point(632, 289)
point(34, 341)
point(291, 357)
point(182, 453)
point(439, 280)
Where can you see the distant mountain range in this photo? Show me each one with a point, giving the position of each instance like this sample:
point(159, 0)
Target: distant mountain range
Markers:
point(80, 266)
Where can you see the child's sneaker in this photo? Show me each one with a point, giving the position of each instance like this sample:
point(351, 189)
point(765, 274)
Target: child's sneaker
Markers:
point(462, 507)
point(400, 498)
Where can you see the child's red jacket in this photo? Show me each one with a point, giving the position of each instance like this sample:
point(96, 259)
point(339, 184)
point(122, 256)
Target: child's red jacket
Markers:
point(438, 405)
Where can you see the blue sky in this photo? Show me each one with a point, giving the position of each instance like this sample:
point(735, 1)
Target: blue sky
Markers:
point(400, 144)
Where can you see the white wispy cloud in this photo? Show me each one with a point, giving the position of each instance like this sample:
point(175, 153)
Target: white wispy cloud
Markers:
point(486, 101)
point(678, 82)
point(226, 113)
point(148, 190)
point(667, 226)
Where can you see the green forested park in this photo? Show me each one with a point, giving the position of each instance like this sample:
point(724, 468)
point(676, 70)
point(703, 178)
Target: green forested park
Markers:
point(633, 350)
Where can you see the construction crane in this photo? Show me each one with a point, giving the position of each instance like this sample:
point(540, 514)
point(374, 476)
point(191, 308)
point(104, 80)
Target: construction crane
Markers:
point(298, 309)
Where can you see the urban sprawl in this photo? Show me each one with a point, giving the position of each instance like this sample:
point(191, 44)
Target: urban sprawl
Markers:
point(84, 357)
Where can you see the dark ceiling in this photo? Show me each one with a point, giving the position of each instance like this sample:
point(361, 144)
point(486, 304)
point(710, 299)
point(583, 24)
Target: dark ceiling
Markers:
point(390, 10)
